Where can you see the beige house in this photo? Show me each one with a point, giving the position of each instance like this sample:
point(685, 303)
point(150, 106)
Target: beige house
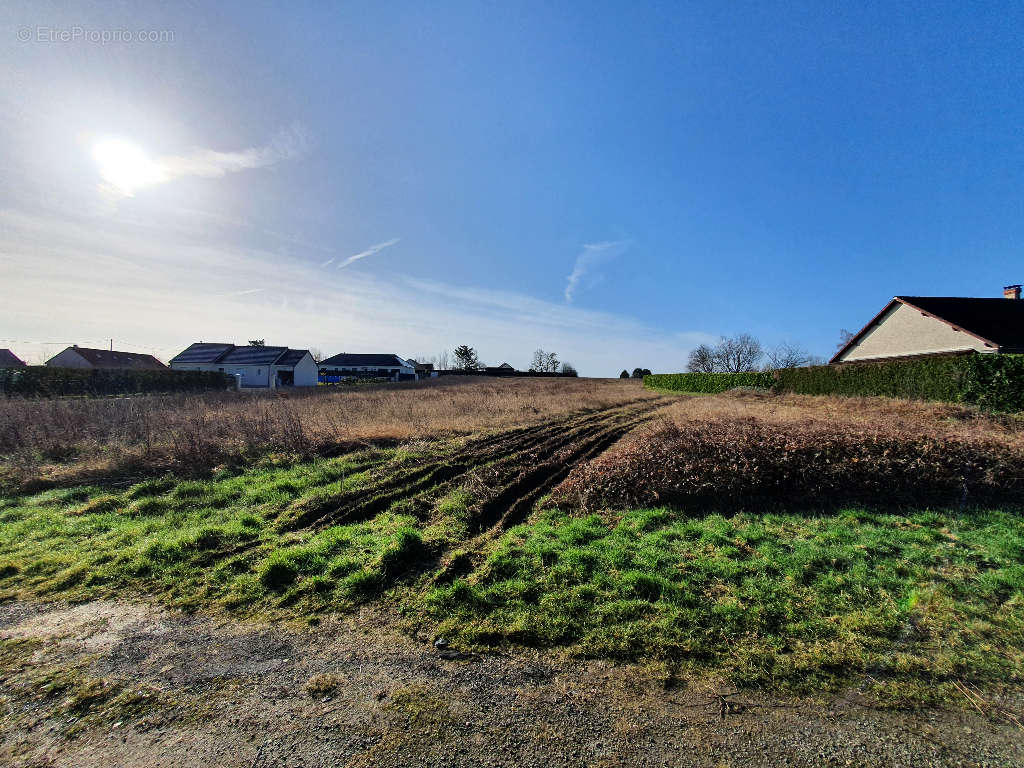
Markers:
point(85, 357)
point(914, 326)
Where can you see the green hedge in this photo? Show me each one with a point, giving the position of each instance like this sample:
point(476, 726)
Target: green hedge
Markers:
point(993, 382)
point(929, 378)
point(708, 382)
point(41, 381)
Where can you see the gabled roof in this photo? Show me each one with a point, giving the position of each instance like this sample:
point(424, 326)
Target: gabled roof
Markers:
point(106, 358)
point(291, 356)
point(998, 323)
point(506, 365)
point(202, 352)
point(351, 360)
point(229, 354)
point(10, 360)
point(250, 355)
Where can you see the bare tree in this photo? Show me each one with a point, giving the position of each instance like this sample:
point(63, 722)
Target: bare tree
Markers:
point(257, 342)
point(738, 354)
point(701, 360)
point(845, 337)
point(544, 362)
point(318, 355)
point(568, 369)
point(787, 355)
point(444, 360)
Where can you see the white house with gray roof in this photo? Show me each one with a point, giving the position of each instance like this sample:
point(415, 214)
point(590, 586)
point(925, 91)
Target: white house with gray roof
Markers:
point(366, 366)
point(256, 367)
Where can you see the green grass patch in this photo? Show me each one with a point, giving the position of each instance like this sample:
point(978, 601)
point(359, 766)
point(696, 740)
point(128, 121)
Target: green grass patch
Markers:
point(793, 600)
point(206, 542)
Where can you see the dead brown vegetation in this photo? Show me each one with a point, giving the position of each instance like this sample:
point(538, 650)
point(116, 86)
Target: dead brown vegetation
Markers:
point(66, 440)
point(747, 450)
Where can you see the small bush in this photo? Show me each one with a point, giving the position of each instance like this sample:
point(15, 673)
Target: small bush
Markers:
point(710, 383)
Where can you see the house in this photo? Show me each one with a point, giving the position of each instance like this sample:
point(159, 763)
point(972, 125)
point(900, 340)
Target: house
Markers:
point(83, 357)
point(10, 360)
point(500, 370)
point(255, 367)
point(423, 370)
point(366, 366)
point(913, 326)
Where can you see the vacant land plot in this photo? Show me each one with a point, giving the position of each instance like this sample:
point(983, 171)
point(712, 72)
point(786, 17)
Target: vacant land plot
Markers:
point(68, 440)
point(845, 551)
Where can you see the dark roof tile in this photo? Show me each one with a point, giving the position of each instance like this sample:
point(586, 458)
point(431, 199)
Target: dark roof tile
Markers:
point(346, 360)
point(10, 360)
point(1000, 321)
point(106, 358)
point(202, 352)
point(253, 355)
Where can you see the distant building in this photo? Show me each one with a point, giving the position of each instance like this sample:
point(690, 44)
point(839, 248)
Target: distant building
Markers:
point(423, 370)
point(913, 326)
point(84, 357)
point(256, 367)
point(500, 370)
point(10, 360)
point(366, 366)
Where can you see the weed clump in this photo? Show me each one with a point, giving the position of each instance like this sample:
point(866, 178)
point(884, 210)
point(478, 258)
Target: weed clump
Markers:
point(748, 464)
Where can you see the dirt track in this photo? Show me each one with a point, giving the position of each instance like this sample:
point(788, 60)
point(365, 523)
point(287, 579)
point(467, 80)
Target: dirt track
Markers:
point(517, 467)
point(229, 694)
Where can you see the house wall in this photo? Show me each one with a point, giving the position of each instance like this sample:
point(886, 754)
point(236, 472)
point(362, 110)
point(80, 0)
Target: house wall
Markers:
point(905, 331)
point(306, 372)
point(252, 375)
point(68, 359)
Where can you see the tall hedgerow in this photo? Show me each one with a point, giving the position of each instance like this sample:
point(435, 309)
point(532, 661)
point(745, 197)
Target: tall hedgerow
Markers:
point(708, 382)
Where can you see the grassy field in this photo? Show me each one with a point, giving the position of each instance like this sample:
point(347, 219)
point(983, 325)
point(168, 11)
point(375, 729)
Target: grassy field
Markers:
point(486, 539)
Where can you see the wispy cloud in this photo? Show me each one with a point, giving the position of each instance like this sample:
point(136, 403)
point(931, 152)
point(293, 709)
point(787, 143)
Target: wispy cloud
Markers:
point(126, 168)
point(593, 255)
point(368, 252)
point(288, 144)
point(242, 293)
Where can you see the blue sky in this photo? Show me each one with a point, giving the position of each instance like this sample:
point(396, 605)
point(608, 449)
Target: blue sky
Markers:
point(614, 181)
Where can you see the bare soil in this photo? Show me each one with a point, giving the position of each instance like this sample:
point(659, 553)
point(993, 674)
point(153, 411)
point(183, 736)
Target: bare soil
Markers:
point(353, 691)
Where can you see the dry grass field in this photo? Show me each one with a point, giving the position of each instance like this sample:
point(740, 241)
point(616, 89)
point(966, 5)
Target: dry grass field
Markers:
point(88, 439)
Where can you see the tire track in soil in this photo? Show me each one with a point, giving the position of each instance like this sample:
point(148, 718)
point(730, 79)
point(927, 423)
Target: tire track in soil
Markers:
point(502, 454)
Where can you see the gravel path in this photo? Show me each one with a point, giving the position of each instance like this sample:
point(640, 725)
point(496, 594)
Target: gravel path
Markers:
point(201, 691)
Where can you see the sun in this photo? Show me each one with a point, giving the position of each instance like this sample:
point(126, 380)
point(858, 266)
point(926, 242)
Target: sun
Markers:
point(125, 166)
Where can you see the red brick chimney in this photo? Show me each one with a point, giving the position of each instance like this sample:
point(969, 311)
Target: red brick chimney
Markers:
point(1011, 292)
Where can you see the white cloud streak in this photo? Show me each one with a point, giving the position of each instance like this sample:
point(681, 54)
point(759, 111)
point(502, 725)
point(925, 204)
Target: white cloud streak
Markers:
point(126, 168)
point(592, 255)
point(368, 252)
point(288, 144)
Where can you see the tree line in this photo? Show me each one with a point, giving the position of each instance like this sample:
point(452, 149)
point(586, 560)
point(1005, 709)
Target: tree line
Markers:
point(465, 358)
point(743, 353)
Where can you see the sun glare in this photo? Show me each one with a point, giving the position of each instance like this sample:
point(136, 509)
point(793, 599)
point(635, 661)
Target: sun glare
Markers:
point(125, 166)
